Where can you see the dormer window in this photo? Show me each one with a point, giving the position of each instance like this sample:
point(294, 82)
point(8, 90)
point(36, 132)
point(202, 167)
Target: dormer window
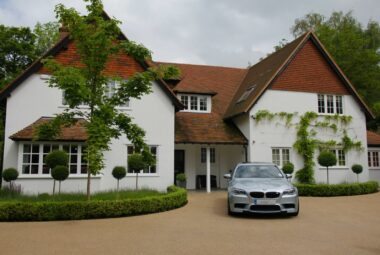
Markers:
point(246, 94)
point(195, 102)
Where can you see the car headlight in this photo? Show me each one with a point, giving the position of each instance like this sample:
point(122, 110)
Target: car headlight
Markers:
point(291, 191)
point(238, 191)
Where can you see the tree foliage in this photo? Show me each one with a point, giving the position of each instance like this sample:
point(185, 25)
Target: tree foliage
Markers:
point(97, 41)
point(57, 158)
point(355, 48)
point(46, 35)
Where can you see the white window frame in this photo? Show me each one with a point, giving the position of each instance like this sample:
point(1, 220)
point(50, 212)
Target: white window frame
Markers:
point(109, 93)
point(281, 154)
point(371, 153)
point(156, 165)
point(40, 173)
point(334, 102)
point(188, 97)
point(204, 156)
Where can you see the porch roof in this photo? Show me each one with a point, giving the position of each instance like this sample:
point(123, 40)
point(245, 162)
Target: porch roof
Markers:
point(373, 139)
point(75, 132)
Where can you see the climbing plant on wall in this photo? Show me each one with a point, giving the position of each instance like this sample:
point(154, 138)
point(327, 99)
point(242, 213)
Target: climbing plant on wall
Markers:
point(307, 142)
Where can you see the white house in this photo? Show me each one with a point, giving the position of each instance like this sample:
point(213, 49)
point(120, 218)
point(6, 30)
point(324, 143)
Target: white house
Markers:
point(202, 124)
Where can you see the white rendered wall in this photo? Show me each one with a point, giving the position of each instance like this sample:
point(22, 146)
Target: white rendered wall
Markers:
point(268, 134)
point(154, 113)
point(226, 158)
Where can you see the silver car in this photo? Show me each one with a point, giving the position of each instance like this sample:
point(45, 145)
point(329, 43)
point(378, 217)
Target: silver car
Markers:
point(261, 188)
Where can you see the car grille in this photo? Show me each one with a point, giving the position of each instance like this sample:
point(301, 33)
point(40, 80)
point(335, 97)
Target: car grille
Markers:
point(257, 194)
point(272, 194)
point(265, 208)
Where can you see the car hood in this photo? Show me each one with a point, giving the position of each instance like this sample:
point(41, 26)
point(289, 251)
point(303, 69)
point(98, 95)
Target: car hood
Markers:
point(261, 184)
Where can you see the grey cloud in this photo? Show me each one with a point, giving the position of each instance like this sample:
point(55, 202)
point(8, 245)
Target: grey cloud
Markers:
point(216, 32)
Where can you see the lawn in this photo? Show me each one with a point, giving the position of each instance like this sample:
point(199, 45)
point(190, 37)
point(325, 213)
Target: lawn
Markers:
point(7, 196)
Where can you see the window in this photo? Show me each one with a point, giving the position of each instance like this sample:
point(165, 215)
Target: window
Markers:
point(150, 169)
point(330, 104)
point(373, 158)
point(185, 102)
point(246, 94)
point(321, 103)
point(340, 157)
point(112, 87)
point(204, 155)
point(33, 158)
point(280, 156)
point(195, 103)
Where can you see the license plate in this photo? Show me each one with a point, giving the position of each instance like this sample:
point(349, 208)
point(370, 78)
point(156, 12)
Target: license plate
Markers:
point(264, 201)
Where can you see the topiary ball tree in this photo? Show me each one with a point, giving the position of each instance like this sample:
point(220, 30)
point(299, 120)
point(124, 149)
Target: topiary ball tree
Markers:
point(119, 172)
point(136, 163)
point(60, 173)
point(327, 159)
point(56, 158)
point(357, 169)
point(10, 175)
point(288, 168)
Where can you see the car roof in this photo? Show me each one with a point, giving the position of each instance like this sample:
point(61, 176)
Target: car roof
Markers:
point(256, 163)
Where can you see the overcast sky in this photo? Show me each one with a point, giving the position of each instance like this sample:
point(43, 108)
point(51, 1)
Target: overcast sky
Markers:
point(214, 32)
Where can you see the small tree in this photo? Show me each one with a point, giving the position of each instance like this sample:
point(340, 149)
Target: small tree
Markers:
point(119, 172)
point(357, 169)
point(9, 175)
point(327, 159)
point(288, 168)
point(56, 158)
point(59, 173)
point(136, 163)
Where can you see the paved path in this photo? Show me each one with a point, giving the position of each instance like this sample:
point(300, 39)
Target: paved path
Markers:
point(345, 225)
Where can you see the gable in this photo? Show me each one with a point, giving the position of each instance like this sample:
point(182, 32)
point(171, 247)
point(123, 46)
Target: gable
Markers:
point(309, 71)
point(119, 65)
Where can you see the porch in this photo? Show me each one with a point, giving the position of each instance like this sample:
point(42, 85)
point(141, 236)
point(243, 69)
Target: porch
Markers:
point(205, 164)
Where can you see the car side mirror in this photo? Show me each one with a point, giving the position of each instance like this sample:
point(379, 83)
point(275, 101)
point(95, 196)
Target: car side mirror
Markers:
point(289, 176)
point(227, 176)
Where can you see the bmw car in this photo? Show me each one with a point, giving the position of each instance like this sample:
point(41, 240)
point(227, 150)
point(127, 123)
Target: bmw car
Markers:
point(261, 188)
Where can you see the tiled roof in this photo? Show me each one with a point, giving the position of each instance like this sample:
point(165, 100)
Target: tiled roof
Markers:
point(76, 132)
point(260, 76)
point(222, 83)
point(373, 139)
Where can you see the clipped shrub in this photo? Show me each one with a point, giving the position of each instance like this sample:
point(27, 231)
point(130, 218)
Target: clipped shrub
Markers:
point(136, 163)
point(326, 190)
point(327, 159)
point(357, 169)
point(119, 172)
point(57, 158)
point(59, 173)
point(93, 209)
point(10, 175)
point(288, 168)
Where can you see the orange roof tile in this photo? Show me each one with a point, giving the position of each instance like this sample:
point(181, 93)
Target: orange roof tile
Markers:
point(373, 139)
point(76, 132)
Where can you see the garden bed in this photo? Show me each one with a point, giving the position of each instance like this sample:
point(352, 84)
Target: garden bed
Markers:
point(102, 205)
point(332, 190)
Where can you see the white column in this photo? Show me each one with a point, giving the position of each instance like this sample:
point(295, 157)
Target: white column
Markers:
point(208, 172)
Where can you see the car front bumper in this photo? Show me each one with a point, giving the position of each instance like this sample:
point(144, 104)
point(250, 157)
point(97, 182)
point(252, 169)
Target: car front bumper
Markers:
point(246, 203)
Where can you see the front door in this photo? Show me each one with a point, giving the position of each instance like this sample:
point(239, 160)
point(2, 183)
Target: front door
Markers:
point(179, 162)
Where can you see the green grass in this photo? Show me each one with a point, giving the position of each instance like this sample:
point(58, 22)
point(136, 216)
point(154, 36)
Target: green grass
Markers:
point(7, 196)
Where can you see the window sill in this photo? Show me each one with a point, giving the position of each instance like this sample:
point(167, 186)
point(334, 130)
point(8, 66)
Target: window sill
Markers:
point(335, 168)
point(48, 176)
point(143, 175)
point(374, 168)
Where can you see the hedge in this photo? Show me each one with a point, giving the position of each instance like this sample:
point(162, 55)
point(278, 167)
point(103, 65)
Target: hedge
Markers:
point(78, 210)
point(326, 190)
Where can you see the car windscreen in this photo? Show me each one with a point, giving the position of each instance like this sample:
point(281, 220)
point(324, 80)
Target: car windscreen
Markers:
point(258, 171)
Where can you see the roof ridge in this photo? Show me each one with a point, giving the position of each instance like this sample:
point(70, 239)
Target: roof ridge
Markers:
point(200, 65)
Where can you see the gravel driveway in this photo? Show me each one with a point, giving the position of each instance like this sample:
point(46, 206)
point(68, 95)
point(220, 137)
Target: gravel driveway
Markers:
point(341, 225)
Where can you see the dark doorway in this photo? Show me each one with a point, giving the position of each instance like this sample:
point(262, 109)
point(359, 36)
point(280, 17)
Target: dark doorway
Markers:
point(179, 162)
